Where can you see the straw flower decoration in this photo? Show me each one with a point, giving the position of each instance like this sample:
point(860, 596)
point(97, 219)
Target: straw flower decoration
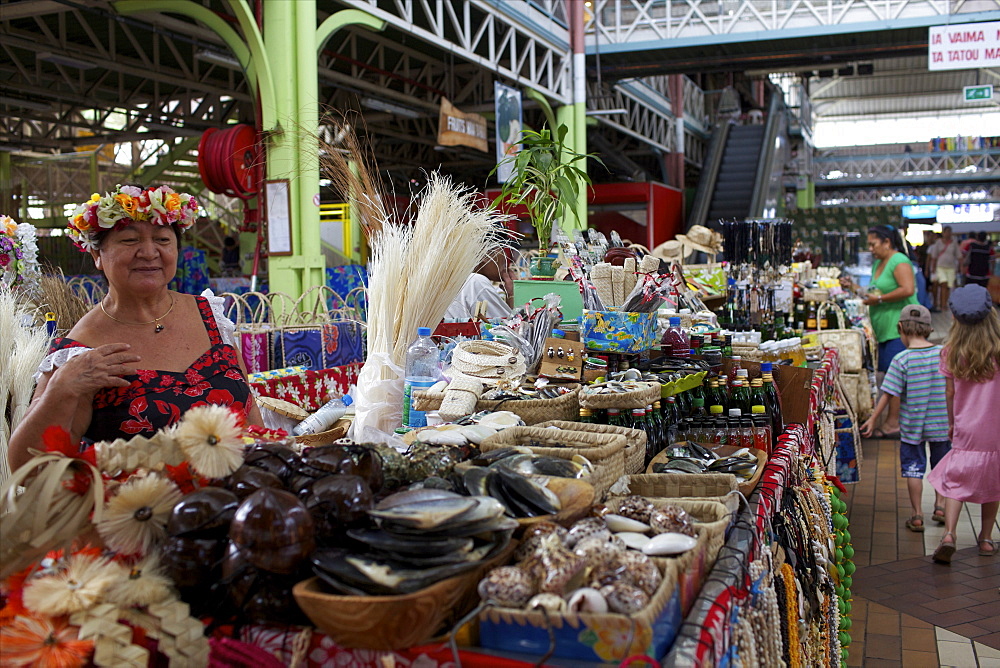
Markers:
point(135, 519)
point(43, 643)
point(80, 585)
point(211, 439)
point(145, 585)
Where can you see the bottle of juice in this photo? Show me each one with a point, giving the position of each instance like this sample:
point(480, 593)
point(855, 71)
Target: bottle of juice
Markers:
point(586, 416)
point(677, 339)
point(762, 439)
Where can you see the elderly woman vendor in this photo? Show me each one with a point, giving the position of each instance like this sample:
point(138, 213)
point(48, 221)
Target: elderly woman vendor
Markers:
point(143, 356)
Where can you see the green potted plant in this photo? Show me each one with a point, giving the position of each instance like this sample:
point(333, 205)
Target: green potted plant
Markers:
point(546, 180)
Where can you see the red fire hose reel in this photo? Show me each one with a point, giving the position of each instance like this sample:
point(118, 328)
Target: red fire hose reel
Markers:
point(228, 161)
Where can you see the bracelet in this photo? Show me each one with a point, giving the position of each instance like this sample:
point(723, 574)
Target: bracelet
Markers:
point(880, 299)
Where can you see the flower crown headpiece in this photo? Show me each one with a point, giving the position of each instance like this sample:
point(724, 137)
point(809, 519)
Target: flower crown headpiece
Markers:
point(160, 206)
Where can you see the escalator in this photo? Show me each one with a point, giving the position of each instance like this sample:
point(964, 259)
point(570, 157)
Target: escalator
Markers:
point(737, 179)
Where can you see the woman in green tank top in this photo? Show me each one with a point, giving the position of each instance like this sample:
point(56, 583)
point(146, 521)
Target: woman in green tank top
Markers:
point(893, 286)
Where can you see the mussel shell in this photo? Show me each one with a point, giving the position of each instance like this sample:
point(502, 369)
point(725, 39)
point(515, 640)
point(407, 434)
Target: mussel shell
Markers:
point(278, 459)
point(475, 479)
point(393, 544)
point(415, 495)
point(192, 562)
point(248, 479)
point(426, 515)
point(205, 513)
point(521, 495)
point(274, 530)
point(340, 500)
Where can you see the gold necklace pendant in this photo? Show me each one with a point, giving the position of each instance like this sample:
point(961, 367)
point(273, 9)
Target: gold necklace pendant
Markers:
point(155, 321)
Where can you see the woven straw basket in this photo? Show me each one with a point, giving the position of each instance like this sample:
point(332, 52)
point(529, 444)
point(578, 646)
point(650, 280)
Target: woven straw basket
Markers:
point(635, 440)
point(644, 626)
point(605, 451)
point(713, 518)
point(712, 486)
point(532, 411)
point(635, 399)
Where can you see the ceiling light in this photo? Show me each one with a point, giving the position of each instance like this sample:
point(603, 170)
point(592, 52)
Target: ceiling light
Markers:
point(216, 58)
point(67, 61)
point(25, 104)
point(390, 107)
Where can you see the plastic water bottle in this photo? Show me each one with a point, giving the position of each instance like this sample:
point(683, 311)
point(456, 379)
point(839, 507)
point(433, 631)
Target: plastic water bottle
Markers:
point(324, 417)
point(423, 367)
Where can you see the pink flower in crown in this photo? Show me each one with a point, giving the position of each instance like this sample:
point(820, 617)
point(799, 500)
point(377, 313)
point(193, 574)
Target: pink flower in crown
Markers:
point(4, 259)
point(173, 216)
point(90, 214)
point(131, 191)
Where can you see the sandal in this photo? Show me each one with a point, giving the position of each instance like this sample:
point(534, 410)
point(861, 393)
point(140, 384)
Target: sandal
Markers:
point(912, 525)
point(987, 553)
point(879, 434)
point(938, 515)
point(944, 550)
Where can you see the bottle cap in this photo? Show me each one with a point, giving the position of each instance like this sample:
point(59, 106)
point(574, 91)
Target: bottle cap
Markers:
point(743, 373)
point(423, 331)
point(735, 412)
point(347, 400)
point(716, 410)
point(675, 321)
point(756, 409)
point(766, 367)
point(698, 402)
point(585, 412)
point(558, 334)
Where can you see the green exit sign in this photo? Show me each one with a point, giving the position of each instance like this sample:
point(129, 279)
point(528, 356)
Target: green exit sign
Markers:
point(973, 93)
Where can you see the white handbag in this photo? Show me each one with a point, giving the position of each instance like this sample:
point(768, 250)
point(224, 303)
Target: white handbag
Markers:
point(848, 341)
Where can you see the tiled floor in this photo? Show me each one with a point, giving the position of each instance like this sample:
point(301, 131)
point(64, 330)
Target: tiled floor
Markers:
point(894, 569)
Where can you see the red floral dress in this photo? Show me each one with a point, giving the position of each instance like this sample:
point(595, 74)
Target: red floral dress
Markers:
point(157, 399)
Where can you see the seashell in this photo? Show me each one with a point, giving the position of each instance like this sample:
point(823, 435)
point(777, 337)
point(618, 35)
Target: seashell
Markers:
point(636, 508)
point(671, 519)
point(618, 542)
point(599, 510)
point(619, 523)
point(508, 586)
point(477, 433)
point(584, 528)
point(636, 541)
point(548, 602)
point(596, 549)
point(624, 598)
point(666, 544)
point(501, 420)
point(611, 571)
point(532, 539)
point(442, 437)
point(555, 568)
point(642, 572)
point(587, 599)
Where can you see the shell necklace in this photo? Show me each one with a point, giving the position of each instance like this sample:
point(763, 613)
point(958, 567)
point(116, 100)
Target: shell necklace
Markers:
point(154, 321)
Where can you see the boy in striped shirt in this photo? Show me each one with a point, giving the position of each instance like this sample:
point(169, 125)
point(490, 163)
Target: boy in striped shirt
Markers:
point(923, 410)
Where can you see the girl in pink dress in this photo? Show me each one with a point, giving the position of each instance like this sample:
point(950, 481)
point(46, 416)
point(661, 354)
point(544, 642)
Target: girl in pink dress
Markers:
point(970, 472)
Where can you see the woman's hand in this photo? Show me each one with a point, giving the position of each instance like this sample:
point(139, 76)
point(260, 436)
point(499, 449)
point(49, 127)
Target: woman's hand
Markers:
point(868, 427)
point(846, 282)
point(871, 300)
point(95, 370)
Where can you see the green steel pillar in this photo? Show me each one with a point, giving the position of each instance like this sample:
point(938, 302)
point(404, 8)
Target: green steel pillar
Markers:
point(574, 116)
point(288, 274)
point(805, 197)
point(280, 64)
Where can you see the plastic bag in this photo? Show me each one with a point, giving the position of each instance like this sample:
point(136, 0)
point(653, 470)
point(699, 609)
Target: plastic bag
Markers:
point(379, 399)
